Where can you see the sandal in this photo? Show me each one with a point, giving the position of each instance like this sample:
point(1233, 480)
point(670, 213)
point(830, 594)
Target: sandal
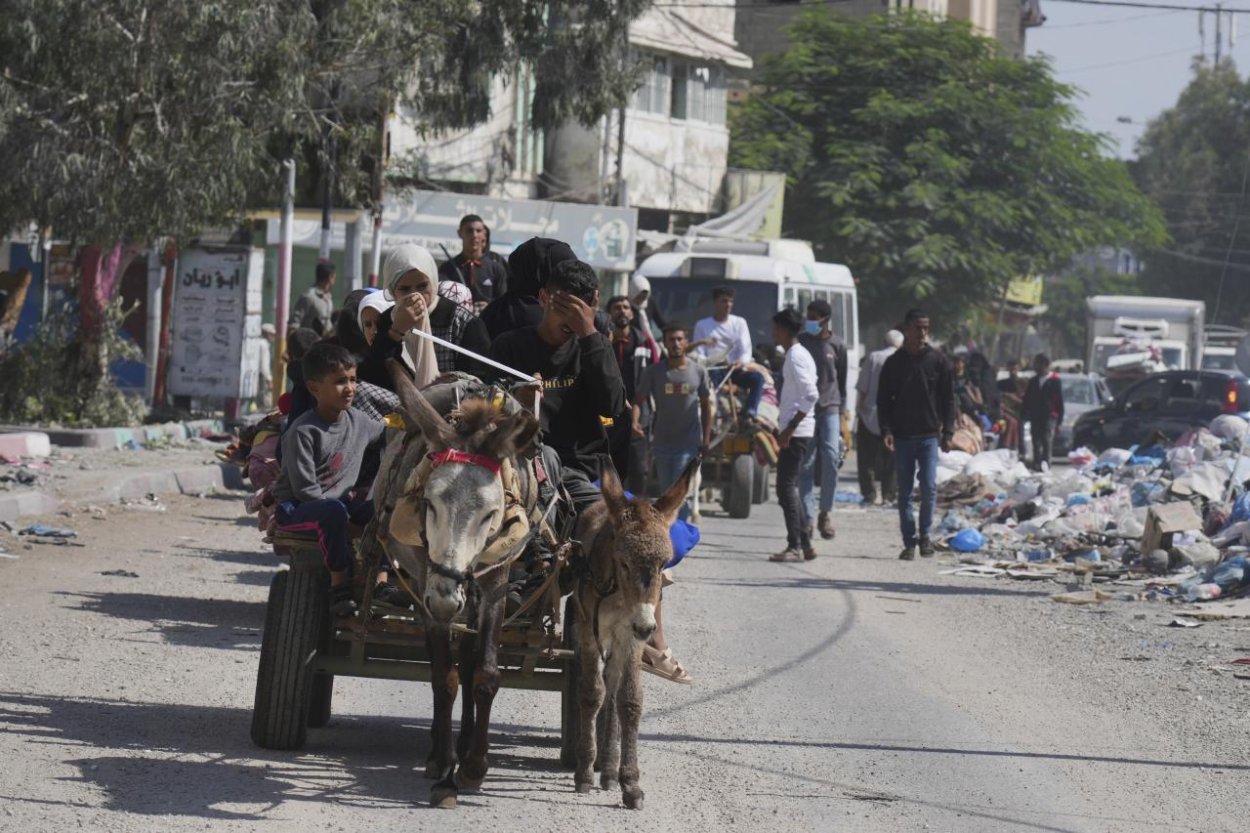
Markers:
point(788, 554)
point(662, 664)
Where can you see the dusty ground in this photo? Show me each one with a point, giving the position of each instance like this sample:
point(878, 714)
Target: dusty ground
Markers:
point(853, 693)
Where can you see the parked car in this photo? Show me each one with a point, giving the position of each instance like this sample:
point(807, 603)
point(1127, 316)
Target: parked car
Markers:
point(1167, 404)
point(1082, 393)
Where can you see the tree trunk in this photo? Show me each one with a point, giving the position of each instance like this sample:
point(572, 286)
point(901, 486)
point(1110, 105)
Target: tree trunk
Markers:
point(100, 273)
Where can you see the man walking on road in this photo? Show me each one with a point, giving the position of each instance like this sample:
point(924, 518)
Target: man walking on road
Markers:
point(799, 394)
point(683, 410)
point(916, 410)
point(829, 353)
point(314, 309)
point(875, 462)
point(1043, 408)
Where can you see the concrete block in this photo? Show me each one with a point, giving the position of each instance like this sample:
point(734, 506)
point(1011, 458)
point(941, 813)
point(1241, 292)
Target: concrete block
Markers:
point(16, 506)
point(138, 486)
point(25, 444)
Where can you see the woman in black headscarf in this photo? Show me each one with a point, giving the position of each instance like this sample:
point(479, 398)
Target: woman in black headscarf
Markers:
point(530, 264)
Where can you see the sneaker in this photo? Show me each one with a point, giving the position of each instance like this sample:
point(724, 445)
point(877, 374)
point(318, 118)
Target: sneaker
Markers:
point(907, 554)
point(926, 547)
point(788, 554)
point(341, 601)
point(809, 553)
point(825, 524)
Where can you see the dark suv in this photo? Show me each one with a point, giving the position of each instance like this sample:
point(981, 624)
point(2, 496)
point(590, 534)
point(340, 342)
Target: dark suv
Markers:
point(1168, 403)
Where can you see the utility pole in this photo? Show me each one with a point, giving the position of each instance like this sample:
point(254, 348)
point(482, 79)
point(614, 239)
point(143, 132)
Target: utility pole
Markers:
point(284, 277)
point(1219, 19)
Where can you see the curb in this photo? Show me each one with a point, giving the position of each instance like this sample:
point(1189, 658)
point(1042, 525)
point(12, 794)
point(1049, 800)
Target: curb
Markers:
point(116, 438)
point(182, 481)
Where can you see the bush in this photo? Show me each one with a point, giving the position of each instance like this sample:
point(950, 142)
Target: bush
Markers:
point(56, 377)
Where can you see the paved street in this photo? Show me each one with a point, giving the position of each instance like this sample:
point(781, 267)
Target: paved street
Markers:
point(853, 693)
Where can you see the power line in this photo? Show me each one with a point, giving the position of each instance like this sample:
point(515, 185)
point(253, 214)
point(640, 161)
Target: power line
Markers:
point(1043, 30)
point(1134, 4)
point(1128, 60)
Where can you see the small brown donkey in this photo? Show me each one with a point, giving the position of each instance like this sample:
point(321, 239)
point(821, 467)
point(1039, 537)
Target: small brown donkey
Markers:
point(626, 545)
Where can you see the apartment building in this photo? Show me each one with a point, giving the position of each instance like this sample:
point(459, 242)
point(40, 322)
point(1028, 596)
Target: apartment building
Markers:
point(664, 154)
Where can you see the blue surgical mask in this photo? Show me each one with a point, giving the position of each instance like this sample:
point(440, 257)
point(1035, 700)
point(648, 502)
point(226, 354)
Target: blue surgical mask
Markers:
point(814, 327)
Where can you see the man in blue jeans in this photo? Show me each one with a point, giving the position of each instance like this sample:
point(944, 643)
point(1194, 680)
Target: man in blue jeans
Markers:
point(682, 395)
point(916, 411)
point(829, 352)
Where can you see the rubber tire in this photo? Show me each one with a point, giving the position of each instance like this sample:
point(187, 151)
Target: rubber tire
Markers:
point(569, 706)
point(321, 700)
point(760, 488)
point(294, 621)
point(741, 487)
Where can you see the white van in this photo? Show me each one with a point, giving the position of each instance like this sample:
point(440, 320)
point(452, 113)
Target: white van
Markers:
point(766, 276)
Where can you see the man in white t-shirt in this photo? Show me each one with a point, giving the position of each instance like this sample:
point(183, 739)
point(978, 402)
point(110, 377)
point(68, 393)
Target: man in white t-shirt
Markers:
point(726, 337)
point(799, 393)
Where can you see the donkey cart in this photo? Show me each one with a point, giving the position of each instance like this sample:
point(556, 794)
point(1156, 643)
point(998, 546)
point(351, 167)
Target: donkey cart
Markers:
point(304, 648)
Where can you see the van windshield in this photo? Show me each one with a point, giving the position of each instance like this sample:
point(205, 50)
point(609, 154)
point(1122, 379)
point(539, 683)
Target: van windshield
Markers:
point(686, 300)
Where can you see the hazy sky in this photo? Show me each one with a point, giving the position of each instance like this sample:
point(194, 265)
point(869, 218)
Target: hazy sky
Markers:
point(1130, 62)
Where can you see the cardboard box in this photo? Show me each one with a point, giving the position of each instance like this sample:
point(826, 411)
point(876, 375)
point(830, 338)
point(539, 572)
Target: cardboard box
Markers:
point(1163, 521)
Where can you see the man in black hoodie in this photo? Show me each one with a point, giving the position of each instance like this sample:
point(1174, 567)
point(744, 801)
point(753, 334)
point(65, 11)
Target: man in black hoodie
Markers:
point(916, 410)
point(531, 264)
point(582, 386)
point(1043, 410)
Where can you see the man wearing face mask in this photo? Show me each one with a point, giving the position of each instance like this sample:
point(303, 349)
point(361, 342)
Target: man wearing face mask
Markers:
point(829, 352)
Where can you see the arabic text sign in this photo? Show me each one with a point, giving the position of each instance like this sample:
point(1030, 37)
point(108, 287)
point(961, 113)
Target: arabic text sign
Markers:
point(216, 323)
point(601, 235)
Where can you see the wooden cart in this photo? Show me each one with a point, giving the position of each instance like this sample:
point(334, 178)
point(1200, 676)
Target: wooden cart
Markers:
point(304, 648)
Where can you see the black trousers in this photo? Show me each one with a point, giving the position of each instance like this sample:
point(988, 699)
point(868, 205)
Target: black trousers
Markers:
point(1043, 441)
point(875, 464)
point(789, 464)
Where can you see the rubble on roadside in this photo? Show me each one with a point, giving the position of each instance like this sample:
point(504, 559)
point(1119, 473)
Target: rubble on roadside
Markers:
point(1162, 522)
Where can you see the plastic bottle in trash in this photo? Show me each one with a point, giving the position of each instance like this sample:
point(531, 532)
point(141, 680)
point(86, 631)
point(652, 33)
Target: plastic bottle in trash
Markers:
point(1203, 592)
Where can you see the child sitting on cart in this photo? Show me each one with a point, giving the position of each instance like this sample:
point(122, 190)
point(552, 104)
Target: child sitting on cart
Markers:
point(323, 452)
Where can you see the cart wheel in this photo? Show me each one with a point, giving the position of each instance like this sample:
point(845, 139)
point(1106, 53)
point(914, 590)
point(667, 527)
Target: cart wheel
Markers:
point(294, 620)
point(759, 493)
point(569, 707)
point(322, 697)
point(741, 486)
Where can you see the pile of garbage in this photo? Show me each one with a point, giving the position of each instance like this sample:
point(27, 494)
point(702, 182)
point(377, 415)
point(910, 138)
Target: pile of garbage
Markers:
point(1172, 519)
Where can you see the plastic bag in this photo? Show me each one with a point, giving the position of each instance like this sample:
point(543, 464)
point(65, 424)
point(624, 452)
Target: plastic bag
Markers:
point(967, 540)
point(1080, 457)
point(1228, 427)
point(684, 536)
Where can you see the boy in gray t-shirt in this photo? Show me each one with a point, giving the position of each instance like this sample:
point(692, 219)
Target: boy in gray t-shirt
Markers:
point(322, 454)
point(682, 394)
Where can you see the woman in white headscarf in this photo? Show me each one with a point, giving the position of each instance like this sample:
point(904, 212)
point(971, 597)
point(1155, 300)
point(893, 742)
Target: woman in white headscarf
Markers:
point(649, 319)
point(369, 313)
point(411, 279)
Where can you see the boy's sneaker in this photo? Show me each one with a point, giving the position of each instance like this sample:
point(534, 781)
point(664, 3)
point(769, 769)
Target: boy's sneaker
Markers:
point(907, 554)
point(341, 601)
point(926, 547)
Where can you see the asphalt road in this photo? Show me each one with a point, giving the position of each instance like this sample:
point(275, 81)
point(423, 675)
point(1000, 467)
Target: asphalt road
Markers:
point(855, 692)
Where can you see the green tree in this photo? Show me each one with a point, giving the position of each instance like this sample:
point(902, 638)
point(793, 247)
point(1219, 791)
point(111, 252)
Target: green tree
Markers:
point(1194, 160)
point(934, 166)
point(127, 120)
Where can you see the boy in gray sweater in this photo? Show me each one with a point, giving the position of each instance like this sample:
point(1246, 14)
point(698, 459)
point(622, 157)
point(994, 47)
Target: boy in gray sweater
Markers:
point(322, 454)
